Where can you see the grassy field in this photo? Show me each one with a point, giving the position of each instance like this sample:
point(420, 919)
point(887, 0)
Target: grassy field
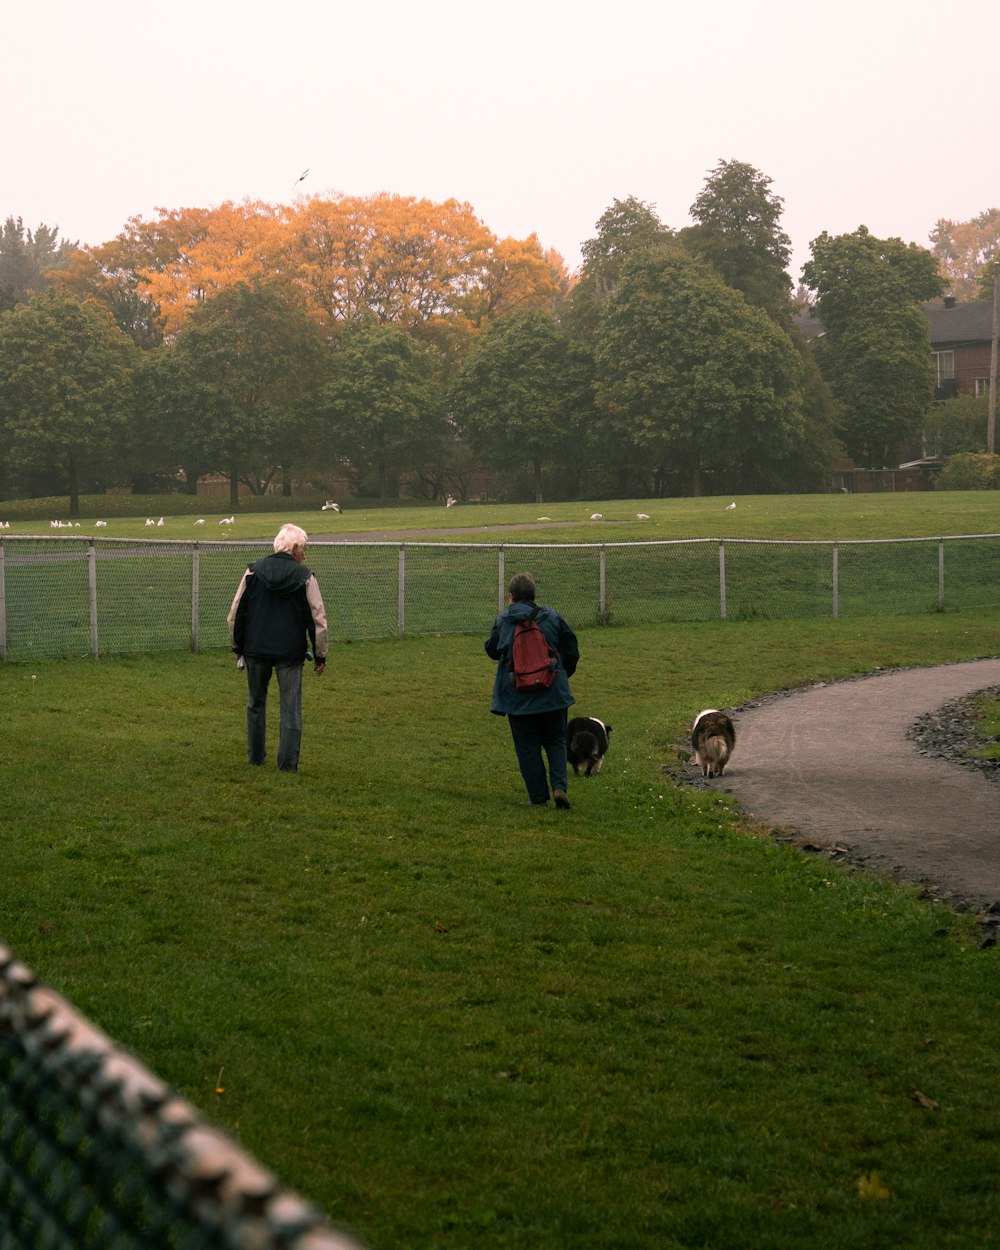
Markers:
point(902, 515)
point(456, 1021)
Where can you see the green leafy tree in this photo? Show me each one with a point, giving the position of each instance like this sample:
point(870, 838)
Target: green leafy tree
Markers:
point(875, 353)
point(28, 259)
point(738, 231)
point(628, 226)
point(66, 389)
point(957, 425)
point(702, 387)
point(234, 385)
point(523, 400)
point(382, 410)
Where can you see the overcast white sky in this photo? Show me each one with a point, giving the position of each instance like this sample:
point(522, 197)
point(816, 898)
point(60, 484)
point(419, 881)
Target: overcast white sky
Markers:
point(539, 113)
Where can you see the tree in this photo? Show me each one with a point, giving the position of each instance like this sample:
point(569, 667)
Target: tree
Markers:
point(66, 388)
point(700, 386)
point(956, 425)
point(875, 354)
point(738, 232)
point(234, 384)
point(627, 227)
point(28, 260)
point(524, 397)
point(963, 250)
point(382, 410)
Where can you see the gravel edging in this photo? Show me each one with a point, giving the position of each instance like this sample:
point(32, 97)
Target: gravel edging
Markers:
point(952, 731)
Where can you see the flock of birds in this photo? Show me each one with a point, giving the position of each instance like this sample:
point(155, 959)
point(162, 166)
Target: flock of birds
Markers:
point(331, 505)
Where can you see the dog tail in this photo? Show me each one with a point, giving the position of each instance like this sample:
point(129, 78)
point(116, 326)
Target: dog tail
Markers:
point(713, 755)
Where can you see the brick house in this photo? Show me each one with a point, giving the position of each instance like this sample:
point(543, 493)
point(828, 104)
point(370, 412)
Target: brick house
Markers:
point(961, 339)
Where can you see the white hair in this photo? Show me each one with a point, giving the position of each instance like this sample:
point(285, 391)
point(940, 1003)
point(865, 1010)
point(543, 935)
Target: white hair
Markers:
point(289, 537)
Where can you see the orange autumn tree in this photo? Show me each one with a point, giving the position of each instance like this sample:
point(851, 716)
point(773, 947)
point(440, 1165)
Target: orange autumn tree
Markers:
point(170, 265)
point(389, 257)
point(433, 268)
point(398, 259)
point(518, 276)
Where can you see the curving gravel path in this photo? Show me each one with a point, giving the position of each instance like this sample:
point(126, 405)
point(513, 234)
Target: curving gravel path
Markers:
point(871, 770)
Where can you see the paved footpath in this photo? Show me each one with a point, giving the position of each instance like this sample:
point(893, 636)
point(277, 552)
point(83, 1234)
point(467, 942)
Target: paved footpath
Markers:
point(833, 763)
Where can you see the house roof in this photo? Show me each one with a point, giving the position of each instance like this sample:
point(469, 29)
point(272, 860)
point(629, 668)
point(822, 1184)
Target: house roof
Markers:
point(949, 325)
point(960, 323)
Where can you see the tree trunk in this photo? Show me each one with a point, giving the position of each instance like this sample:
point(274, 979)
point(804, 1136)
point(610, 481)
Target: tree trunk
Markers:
point(74, 487)
point(286, 482)
point(234, 489)
point(537, 465)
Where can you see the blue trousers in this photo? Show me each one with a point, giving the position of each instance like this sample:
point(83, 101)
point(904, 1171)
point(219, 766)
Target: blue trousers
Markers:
point(289, 711)
point(537, 735)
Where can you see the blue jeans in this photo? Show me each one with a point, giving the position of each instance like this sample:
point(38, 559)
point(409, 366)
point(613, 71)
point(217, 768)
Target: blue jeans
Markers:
point(289, 711)
point(533, 735)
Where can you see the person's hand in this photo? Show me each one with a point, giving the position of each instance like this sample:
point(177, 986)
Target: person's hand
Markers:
point(320, 667)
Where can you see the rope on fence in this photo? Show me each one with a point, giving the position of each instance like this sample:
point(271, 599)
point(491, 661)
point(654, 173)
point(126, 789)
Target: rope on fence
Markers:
point(96, 1153)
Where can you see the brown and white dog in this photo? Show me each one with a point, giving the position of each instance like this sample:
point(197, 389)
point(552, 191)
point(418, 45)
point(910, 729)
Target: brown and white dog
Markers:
point(713, 739)
point(587, 743)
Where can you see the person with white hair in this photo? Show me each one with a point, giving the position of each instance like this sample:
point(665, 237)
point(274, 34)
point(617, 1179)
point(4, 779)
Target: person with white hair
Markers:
point(277, 610)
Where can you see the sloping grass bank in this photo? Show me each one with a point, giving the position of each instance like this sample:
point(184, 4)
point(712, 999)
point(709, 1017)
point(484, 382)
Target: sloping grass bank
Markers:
point(457, 1021)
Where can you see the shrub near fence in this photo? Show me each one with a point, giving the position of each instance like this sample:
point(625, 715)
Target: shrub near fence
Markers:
point(70, 596)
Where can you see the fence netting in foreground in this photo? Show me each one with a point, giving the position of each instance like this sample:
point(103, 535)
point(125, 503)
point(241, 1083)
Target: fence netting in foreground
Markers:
point(63, 596)
point(98, 1154)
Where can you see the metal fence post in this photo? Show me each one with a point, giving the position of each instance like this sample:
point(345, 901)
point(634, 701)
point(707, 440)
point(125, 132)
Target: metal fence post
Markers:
point(604, 586)
point(92, 579)
point(195, 593)
point(501, 578)
point(3, 604)
point(401, 605)
point(722, 579)
point(836, 581)
point(941, 572)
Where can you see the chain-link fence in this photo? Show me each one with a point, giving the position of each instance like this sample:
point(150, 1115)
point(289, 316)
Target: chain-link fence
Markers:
point(79, 596)
point(97, 1154)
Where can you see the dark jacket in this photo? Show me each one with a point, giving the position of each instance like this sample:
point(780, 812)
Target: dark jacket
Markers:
point(510, 702)
point(276, 608)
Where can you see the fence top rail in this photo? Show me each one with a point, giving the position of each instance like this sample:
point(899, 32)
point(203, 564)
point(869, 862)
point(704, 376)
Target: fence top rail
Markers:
point(220, 544)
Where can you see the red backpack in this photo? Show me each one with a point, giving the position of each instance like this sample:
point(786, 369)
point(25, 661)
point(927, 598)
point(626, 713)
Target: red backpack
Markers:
point(533, 660)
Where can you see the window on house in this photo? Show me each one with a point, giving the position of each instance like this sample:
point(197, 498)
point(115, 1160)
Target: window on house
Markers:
point(982, 387)
point(944, 365)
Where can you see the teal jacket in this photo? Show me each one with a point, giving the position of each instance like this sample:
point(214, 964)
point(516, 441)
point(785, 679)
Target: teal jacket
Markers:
point(510, 702)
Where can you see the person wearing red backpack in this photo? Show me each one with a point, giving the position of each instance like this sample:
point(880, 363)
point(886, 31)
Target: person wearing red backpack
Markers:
point(535, 707)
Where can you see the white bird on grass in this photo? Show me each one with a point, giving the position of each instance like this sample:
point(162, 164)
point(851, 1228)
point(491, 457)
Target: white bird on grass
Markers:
point(450, 501)
point(544, 518)
point(160, 521)
point(730, 506)
point(597, 516)
point(150, 521)
point(330, 506)
point(642, 516)
point(100, 524)
point(228, 520)
point(200, 521)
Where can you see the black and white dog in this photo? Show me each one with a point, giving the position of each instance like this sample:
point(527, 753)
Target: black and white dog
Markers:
point(713, 738)
point(587, 743)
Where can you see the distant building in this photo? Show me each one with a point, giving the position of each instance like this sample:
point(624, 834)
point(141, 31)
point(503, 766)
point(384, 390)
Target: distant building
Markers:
point(961, 340)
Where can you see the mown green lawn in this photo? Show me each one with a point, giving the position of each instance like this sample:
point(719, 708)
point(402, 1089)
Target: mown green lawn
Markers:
point(914, 514)
point(456, 1021)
